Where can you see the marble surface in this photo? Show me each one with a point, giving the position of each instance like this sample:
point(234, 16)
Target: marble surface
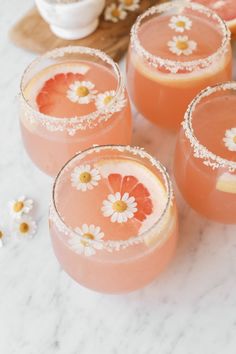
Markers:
point(190, 309)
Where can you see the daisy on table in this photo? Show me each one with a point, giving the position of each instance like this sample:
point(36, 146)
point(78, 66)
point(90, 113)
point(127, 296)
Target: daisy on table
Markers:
point(20, 206)
point(114, 13)
point(24, 227)
point(130, 5)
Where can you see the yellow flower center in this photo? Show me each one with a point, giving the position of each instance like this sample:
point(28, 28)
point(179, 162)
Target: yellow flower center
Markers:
point(82, 91)
point(115, 12)
point(119, 206)
point(182, 45)
point(234, 139)
point(87, 236)
point(180, 24)
point(128, 2)
point(24, 227)
point(18, 206)
point(85, 177)
point(1, 234)
point(107, 99)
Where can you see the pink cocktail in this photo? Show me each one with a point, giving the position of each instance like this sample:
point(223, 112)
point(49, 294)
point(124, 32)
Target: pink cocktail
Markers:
point(176, 50)
point(205, 157)
point(113, 218)
point(72, 98)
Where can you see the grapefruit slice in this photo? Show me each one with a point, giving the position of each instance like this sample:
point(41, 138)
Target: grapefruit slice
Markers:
point(226, 183)
point(47, 91)
point(226, 9)
point(183, 80)
point(126, 176)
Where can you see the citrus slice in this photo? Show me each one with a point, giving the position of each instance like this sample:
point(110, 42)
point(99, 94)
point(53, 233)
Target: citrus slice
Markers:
point(179, 79)
point(47, 91)
point(226, 183)
point(226, 9)
point(136, 180)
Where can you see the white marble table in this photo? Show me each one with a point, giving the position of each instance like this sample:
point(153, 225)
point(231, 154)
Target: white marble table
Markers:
point(190, 309)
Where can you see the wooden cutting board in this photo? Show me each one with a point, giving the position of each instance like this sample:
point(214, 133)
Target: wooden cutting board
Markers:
point(33, 33)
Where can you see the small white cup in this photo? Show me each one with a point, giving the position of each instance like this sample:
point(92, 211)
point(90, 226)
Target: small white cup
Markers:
point(71, 20)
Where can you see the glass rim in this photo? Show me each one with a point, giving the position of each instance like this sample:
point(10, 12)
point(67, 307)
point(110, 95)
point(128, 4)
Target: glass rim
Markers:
point(201, 151)
point(175, 65)
point(132, 240)
point(105, 112)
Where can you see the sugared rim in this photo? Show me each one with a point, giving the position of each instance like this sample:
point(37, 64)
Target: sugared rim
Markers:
point(201, 151)
point(172, 65)
point(75, 123)
point(133, 240)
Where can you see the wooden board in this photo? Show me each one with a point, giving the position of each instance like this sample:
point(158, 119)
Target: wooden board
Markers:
point(33, 33)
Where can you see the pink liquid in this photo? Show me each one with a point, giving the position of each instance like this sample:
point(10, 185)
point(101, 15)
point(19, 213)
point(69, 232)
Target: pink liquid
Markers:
point(128, 268)
point(47, 93)
point(161, 96)
point(212, 192)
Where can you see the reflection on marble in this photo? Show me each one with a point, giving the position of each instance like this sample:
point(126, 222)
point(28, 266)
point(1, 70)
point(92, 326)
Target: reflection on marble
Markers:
point(190, 309)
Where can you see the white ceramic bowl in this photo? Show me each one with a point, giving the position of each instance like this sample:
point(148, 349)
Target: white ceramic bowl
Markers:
point(71, 20)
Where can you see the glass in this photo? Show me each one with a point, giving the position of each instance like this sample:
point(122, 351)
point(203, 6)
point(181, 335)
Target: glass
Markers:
point(176, 50)
point(72, 98)
point(205, 156)
point(113, 219)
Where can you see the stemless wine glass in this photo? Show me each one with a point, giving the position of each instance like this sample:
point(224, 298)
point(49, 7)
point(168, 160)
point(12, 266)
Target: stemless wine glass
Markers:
point(113, 219)
point(205, 157)
point(176, 50)
point(72, 98)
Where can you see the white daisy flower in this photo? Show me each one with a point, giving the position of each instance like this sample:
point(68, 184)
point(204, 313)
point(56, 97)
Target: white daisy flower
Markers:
point(130, 5)
point(88, 239)
point(119, 208)
point(182, 45)
point(103, 99)
point(3, 235)
point(115, 13)
point(24, 227)
point(230, 139)
point(81, 92)
point(84, 177)
point(20, 206)
point(180, 23)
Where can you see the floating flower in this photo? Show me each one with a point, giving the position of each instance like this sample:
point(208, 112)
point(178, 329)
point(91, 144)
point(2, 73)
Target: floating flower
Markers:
point(119, 207)
point(20, 206)
point(81, 92)
point(182, 45)
point(84, 177)
point(24, 227)
point(130, 5)
point(230, 139)
point(103, 99)
point(180, 23)
point(115, 13)
point(88, 239)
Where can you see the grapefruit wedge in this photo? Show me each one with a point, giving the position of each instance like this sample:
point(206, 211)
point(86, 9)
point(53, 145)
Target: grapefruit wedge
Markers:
point(125, 176)
point(226, 9)
point(47, 91)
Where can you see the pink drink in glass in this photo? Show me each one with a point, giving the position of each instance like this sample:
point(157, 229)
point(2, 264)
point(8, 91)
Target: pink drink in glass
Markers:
point(205, 157)
point(72, 98)
point(113, 219)
point(176, 50)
